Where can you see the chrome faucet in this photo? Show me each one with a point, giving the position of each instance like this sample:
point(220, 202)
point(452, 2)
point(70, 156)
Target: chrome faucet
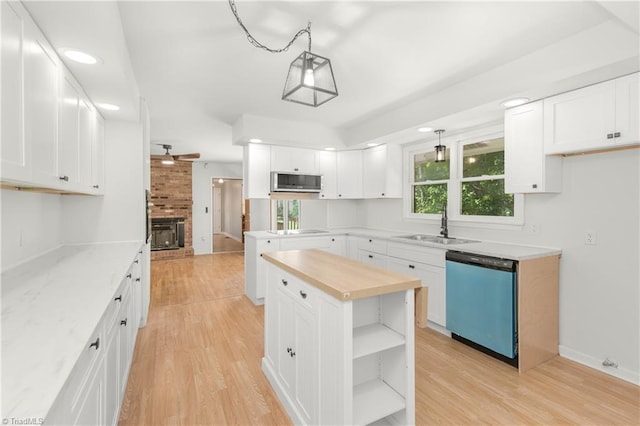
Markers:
point(444, 231)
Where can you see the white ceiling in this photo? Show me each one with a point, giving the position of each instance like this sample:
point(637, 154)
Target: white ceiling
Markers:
point(397, 64)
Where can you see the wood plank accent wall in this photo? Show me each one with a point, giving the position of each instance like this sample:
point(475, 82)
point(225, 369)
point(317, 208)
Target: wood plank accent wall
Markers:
point(172, 197)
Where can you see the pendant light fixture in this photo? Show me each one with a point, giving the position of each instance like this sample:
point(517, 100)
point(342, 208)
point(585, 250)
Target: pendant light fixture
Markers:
point(310, 78)
point(441, 150)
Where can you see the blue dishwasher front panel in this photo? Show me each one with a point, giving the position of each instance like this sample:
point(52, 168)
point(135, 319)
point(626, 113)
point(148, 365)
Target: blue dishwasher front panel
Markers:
point(481, 306)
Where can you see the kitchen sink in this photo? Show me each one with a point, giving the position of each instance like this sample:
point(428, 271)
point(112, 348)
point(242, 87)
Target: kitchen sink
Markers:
point(436, 239)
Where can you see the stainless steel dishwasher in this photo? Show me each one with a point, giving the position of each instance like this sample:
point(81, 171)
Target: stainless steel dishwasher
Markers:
point(482, 303)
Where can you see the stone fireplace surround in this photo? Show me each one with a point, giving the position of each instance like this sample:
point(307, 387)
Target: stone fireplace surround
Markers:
point(171, 198)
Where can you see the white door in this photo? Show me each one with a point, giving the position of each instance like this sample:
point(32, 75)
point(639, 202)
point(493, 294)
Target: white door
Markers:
point(217, 210)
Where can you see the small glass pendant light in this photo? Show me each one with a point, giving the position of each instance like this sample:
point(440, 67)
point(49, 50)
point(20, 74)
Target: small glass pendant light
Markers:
point(310, 80)
point(441, 150)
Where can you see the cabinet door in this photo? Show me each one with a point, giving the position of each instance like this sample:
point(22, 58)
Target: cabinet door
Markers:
point(432, 277)
point(97, 156)
point(41, 67)
point(295, 160)
point(527, 169)
point(124, 325)
point(580, 120)
point(286, 363)
point(86, 132)
point(14, 152)
point(627, 109)
point(337, 245)
point(374, 162)
point(305, 366)
point(256, 168)
point(327, 168)
point(91, 408)
point(68, 116)
point(263, 246)
point(349, 174)
point(112, 387)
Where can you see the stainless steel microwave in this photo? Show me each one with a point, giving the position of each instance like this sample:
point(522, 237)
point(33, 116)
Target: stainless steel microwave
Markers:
point(295, 182)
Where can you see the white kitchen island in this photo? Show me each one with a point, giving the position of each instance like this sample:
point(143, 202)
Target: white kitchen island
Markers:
point(339, 339)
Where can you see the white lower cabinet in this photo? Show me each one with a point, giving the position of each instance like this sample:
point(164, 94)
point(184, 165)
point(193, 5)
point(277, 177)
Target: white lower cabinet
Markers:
point(95, 388)
point(334, 362)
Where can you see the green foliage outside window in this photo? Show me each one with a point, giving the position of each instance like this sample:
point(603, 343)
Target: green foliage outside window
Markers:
point(486, 198)
point(429, 198)
point(425, 168)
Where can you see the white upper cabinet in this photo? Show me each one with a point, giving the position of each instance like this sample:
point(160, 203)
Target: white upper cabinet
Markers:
point(14, 152)
point(87, 117)
point(68, 136)
point(382, 172)
point(41, 68)
point(527, 169)
point(597, 117)
point(97, 156)
point(349, 174)
point(256, 168)
point(326, 161)
point(294, 160)
point(48, 123)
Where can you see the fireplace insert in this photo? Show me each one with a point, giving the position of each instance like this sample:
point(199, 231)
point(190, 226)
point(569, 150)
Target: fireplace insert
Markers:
point(167, 233)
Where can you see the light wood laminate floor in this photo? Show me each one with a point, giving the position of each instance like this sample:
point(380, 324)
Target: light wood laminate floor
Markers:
point(198, 362)
point(223, 243)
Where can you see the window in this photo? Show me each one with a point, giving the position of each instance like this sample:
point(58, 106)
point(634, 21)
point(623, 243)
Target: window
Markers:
point(285, 214)
point(470, 182)
point(482, 182)
point(430, 183)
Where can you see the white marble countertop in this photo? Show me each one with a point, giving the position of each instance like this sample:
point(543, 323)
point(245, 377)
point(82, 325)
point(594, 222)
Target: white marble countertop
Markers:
point(496, 249)
point(51, 305)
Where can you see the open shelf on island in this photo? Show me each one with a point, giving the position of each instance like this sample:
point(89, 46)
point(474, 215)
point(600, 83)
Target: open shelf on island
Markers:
point(374, 400)
point(373, 338)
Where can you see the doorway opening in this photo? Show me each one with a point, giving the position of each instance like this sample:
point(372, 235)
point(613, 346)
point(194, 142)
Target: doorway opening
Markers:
point(227, 214)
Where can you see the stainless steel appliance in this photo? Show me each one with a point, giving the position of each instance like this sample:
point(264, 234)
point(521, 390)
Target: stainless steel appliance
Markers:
point(482, 303)
point(295, 182)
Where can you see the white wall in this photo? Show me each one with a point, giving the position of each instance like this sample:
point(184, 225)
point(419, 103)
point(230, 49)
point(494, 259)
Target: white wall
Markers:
point(120, 214)
point(30, 225)
point(599, 284)
point(202, 174)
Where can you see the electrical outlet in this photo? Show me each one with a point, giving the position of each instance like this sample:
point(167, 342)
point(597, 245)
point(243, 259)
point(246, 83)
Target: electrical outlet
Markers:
point(21, 239)
point(535, 228)
point(590, 238)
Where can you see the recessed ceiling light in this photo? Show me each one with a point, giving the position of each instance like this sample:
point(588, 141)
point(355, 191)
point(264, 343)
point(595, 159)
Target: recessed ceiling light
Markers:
point(108, 107)
point(373, 144)
point(80, 56)
point(425, 129)
point(255, 140)
point(330, 148)
point(515, 102)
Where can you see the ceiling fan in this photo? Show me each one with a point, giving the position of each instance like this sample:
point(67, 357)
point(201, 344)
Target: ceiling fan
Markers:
point(168, 158)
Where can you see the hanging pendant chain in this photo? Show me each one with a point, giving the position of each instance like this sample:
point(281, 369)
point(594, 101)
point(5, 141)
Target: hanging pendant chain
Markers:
point(256, 43)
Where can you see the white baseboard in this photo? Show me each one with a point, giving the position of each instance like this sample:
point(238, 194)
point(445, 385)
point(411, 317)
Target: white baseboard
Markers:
point(233, 237)
point(438, 328)
point(584, 359)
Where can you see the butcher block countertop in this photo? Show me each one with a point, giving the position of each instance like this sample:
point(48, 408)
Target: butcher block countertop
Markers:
point(338, 276)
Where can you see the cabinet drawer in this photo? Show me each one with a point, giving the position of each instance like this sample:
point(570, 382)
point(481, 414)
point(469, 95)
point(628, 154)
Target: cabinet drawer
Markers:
point(119, 299)
point(429, 255)
point(301, 292)
point(372, 244)
point(87, 362)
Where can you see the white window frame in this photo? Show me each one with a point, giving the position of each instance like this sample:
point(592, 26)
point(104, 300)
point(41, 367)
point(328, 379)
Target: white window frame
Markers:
point(454, 184)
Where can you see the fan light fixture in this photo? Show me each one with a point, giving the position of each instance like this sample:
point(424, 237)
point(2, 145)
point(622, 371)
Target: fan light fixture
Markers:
point(167, 158)
point(310, 78)
point(441, 150)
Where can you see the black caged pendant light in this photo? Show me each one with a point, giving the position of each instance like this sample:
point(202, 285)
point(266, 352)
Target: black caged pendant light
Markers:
point(441, 150)
point(310, 78)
